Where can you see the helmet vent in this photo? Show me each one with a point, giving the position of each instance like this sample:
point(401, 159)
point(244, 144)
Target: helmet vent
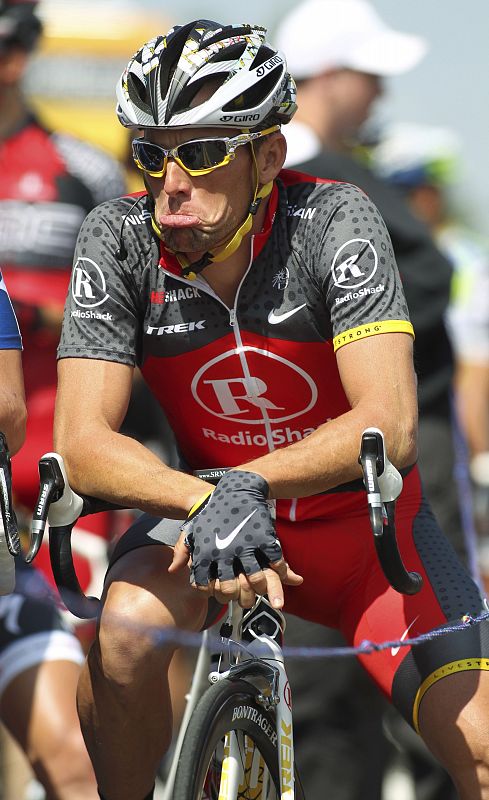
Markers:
point(255, 94)
point(226, 32)
point(137, 92)
point(187, 95)
point(229, 53)
point(264, 53)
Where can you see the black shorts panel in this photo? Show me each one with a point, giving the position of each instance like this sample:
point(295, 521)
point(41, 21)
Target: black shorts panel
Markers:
point(150, 531)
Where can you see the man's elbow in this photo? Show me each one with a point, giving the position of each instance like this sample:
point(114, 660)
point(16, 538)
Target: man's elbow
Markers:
point(13, 423)
point(407, 441)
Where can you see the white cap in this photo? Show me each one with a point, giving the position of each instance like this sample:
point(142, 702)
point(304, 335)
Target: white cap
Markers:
point(326, 34)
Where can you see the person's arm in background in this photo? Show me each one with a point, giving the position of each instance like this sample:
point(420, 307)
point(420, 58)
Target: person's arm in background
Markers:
point(468, 324)
point(13, 413)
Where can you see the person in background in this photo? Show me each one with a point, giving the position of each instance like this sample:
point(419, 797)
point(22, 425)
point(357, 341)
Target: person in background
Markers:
point(40, 657)
point(48, 182)
point(340, 52)
point(424, 161)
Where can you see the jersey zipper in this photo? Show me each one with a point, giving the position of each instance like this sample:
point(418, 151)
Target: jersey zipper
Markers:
point(234, 324)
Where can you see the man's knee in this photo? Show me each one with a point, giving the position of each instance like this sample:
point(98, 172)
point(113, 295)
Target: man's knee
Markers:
point(453, 723)
point(142, 605)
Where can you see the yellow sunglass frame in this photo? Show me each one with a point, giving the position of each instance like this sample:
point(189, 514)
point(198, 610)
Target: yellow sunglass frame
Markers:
point(231, 143)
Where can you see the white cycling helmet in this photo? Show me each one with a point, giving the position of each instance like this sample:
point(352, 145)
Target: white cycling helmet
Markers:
point(254, 89)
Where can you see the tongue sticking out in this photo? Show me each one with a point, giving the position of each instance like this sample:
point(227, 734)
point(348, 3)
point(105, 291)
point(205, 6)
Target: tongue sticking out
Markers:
point(177, 221)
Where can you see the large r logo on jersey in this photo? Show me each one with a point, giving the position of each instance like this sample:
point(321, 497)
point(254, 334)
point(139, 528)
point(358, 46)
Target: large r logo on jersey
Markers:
point(88, 287)
point(347, 272)
point(253, 385)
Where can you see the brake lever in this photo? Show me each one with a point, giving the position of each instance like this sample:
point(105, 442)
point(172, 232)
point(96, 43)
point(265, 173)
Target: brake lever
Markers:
point(384, 484)
point(381, 478)
point(52, 485)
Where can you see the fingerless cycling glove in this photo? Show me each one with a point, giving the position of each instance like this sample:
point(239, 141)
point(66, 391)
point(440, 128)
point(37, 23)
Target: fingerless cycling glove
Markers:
point(231, 530)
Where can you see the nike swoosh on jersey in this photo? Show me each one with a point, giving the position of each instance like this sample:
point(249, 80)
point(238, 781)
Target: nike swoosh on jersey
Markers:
point(222, 543)
point(395, 650)
point(274, 318)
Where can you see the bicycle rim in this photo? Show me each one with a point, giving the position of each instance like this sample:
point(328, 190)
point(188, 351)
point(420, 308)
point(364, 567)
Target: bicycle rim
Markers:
point(230, 748)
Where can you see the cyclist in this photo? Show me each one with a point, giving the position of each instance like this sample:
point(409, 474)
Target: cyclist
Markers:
point(265, 310)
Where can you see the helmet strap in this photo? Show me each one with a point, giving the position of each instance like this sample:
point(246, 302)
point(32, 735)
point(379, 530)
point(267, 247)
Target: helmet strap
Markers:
point(191, 270)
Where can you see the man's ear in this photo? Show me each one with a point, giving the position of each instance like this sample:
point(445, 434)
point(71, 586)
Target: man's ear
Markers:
point(271, 157)
point(13, 63)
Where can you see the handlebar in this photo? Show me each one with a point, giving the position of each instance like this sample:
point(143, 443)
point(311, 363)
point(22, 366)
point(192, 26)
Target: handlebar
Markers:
point(59, 504)
point(62, 507)
point(384, 483)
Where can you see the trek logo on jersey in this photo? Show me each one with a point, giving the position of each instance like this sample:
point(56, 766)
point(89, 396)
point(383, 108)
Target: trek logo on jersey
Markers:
point(88, 287)
point(171, 296)
point(256, 395)
point(347, 272)
point(182, 327)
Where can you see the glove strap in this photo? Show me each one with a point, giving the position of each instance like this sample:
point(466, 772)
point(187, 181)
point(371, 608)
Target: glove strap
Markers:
point(198, 506)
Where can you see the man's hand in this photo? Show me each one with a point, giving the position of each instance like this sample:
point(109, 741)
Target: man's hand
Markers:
point(230, 537)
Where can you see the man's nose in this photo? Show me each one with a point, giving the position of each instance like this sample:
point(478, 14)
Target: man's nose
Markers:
point(176, 180)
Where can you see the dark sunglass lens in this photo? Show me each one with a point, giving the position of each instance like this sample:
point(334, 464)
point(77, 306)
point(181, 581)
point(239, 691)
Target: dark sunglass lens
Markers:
point(202, 155)
point(150, 156)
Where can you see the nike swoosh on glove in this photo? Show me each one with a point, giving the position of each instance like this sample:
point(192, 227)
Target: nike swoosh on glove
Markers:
point(232, 530)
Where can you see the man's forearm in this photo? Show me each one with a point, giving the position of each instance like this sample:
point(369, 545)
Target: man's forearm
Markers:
point(119, 469)
point(328, 457)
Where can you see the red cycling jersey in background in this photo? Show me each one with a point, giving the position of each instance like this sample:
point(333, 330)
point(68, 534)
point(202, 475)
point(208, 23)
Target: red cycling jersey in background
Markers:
point(48, 183)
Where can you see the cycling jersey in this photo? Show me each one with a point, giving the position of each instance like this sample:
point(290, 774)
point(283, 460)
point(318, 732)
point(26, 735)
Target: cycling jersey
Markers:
point(9, 329)
point(259, 375)
point(50, 181)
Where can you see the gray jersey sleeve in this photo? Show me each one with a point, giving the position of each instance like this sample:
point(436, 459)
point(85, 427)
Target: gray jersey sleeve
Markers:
point(354, 263)
point(103, 307)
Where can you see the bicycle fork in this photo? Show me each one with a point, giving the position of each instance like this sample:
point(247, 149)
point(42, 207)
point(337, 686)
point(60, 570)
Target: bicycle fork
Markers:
point(269, 670)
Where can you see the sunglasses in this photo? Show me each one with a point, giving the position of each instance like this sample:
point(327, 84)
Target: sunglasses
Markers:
point(197, 157)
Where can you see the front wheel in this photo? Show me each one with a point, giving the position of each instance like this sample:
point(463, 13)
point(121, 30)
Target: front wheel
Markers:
point(230, 749)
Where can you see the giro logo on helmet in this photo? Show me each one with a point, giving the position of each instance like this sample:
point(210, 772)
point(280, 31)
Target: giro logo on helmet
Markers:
point(241, 118)
point(268, 65)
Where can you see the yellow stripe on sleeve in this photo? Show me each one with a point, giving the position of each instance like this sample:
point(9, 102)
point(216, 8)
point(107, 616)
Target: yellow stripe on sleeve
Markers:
point(372, 329)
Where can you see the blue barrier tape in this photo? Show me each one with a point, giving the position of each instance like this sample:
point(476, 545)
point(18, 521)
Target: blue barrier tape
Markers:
point(167, 636)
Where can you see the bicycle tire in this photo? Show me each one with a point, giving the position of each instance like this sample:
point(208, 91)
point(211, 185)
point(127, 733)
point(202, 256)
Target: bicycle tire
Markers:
point(199, 772)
